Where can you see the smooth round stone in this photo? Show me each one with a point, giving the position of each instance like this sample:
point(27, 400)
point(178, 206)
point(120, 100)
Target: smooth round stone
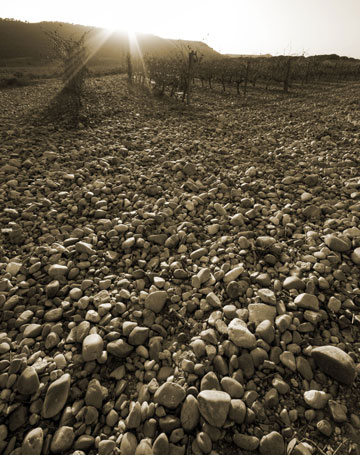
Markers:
point(237, 412)
point(92, 347)
point(170, 395)
point(304, 368)
point(161, 445)
point(266, 331)
point(214, 406)
point(128, 444)
point(133, 419)
point(287, 358)
point(335, 363)
point(56, 396)
point(355, 256)
point(325, 427)
point(106, 447)
point(316, 399)
point(272, 444)
point(144, 447)
point(307, 301)
point(119, 348)
point(57, 270)
point(293, 282)
point(62, 440)
point(246, 442)
point(28, 382)
point(33, 442)
point(339, 244)
point(190, 414)
point(93, 396)
point(232, 387)
point(138, 336)
point(240, 335)
point(155, 301)
point(267, 296)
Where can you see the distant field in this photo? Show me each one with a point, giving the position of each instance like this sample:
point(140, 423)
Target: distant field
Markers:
point(43, 68)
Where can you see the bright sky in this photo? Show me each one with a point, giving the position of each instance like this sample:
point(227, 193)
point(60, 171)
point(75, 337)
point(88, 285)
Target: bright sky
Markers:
point(229, 26)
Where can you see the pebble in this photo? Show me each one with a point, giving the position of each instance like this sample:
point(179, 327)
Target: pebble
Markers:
point(92, 347)
point(246, 442)
point(155, 301)
point(161, 445)
point(56, 396)
point(119, 348)
point(28, 382)
point(355, 256)
point(266, 331)
point(214, 406)
point(272, 444)
point(240, 335)
point(339, 244)
point(33, 442)
point(335, 363)
point(316, 399)
point(190, 414)
point(338, 411)
point(307, 302)
point(170, 395)
point(128, 444)
point(62, 440)
point(106, 447)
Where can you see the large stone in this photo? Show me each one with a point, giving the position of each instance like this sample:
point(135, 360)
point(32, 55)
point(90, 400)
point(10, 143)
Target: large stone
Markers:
point(240, 335)
point(339, 244)
point(92, 347)
point(28, 382)
point(335, 362)
point(272, 444)
point(33, 442)
point(307, 301)
point(190, 413)
point(316, 399)
point(260, 311)
point(119, 348)
point(170, 395)
point(62, 440)
point(56, 396)
point(155, 301)
point(214, 406)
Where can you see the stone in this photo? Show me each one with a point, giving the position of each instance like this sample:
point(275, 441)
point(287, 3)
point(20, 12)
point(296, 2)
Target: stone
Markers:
point(138, 336)
point(83, 247)
point(355, 256)
point(155, 301)
point(338, 411)
point(33, 442)
point(161, 445)
point(260, 311)
point(267, 296)
point(338, 244)
point(62, 440)
point(128, 444)
point(335, 363)
point(56, 396)
point(246, 442)
point(316, 399)
point(119, 348)
point(240, 335)
point(237, 412)
point(93, 396)
point(57, 271)
point(266, 331)
point(28, 382)
point(293, 282)
point(232, 387)
point(170, 395)
point(325, 427)
point(304, 368)
point(190, 413)
point(133, 420)
point(287, 358)
point(144, 447)
point(272, 444)
point(92, 347)
point(213, 300)
point(307, 301)
point(106, 447)
point(210, 382)
point(214, 406)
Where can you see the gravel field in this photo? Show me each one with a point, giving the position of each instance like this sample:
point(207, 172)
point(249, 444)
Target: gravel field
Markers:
point(180, 280)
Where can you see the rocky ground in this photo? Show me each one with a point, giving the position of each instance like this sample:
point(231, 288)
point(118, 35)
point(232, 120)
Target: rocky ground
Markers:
point(180, 281)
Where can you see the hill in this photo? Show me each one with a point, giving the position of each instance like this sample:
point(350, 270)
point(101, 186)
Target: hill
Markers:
point(30, 40)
